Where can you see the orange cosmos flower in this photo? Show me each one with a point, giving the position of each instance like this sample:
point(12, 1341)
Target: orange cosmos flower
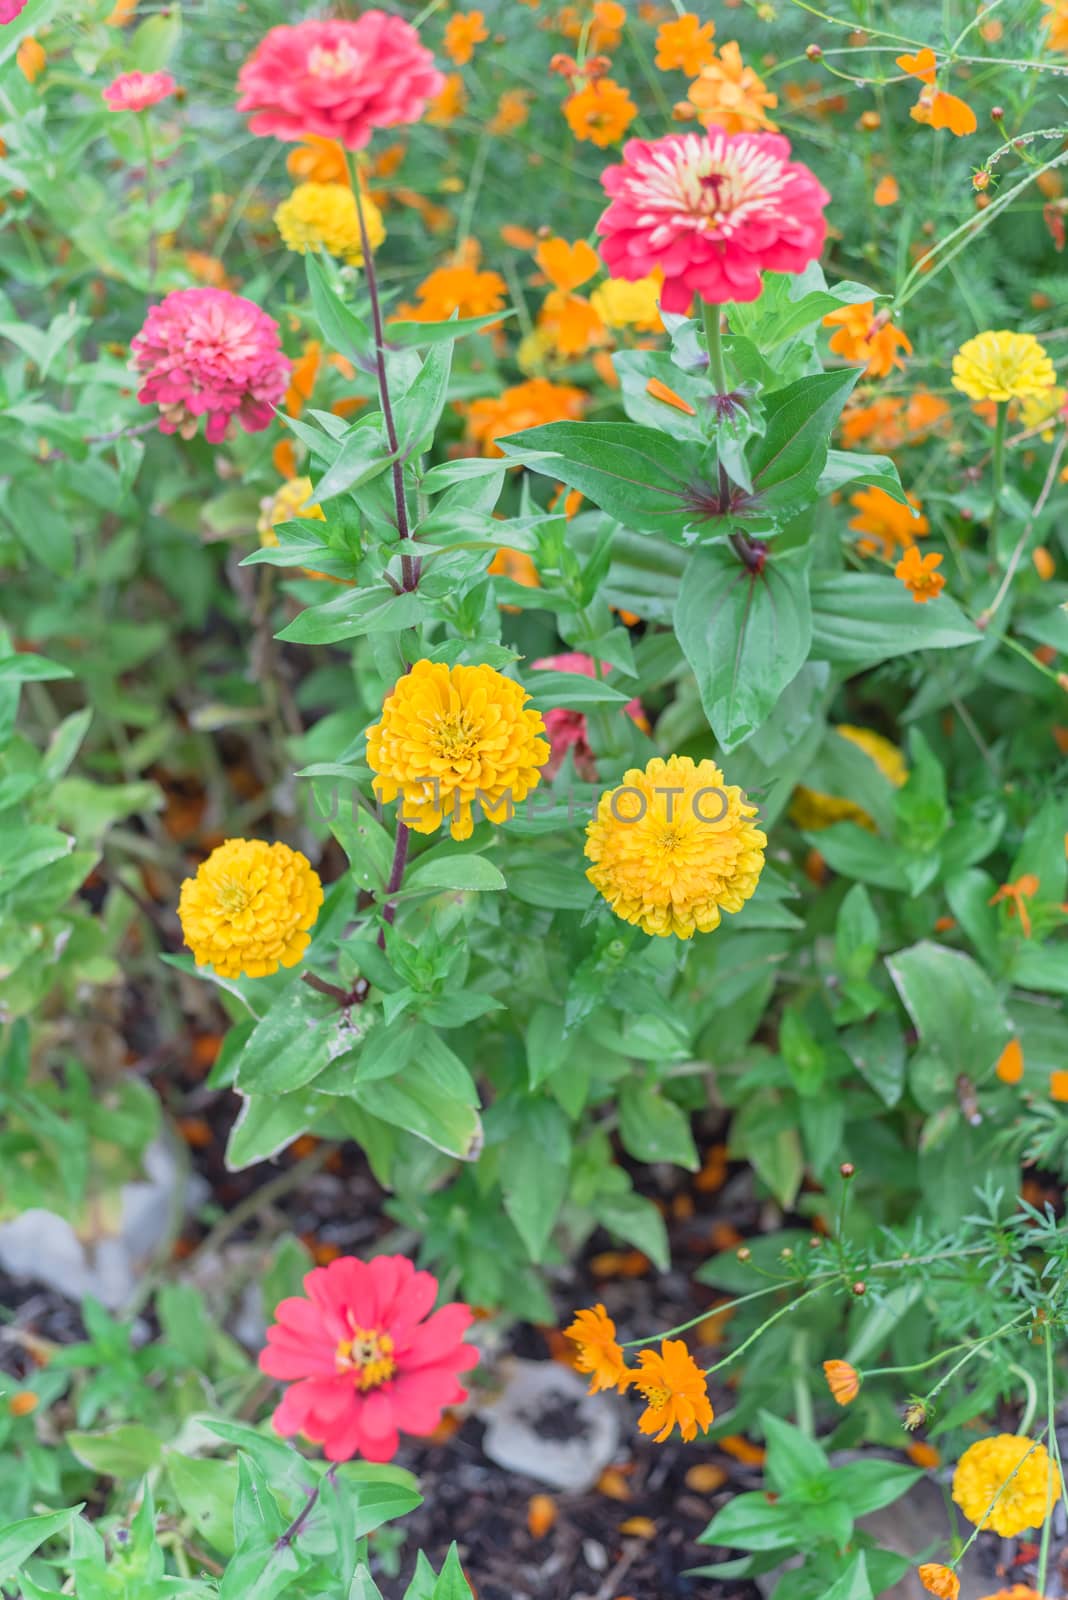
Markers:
point(567, 265)
point(925, 414)
point(918, 575)
point(462, 32)
point(1010, 1067)
point(934, 107)
point(1055, 24)
point(600, 113)
point(862, 336)
point(513, 109)
point(843, 1381)
point(878, 423)
point(685, 44)
point(460, 288)
point(569, 324)
point(1058, 1085)
point(606, 19)
point(675, 1389)
point(31, 58)
point(887, 192)
point(887, 525)
point(317, 160)
point(1014, 895)
point(939, 1580)
point(598, 1352)
point(449, 103)
point(525, 405)
point(731, 95)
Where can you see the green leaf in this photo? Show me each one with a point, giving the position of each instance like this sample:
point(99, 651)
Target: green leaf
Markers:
point(859, 619)
point(635, 1219)
point(206, 1491)
point(266, 1123)
point(856, 934)
point(654, 1128)
point(380, 1493)
point(845, 469)
point(640, 476)
point(545, 1043)
point(407, 334)
point(470, 871)
point(752, 1522)
point(418, 410)
point(127, 1451)
point(787, 462)
point(341, 328)
point(28, 668)
point(794, 1460)
point(292, 1043)
point(19, 1540)
point(572, 690)
point(877, 1050)
point(745, 634)
point(373, 610)
point(867, 1486)
point(364, 454)
point(955, 1007)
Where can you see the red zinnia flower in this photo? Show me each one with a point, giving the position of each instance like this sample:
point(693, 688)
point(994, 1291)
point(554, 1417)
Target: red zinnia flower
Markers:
point(713, 211)
point(210, 353)
point(369, 1362)
point(136, 91)
point(338, 79)
point(566, 730)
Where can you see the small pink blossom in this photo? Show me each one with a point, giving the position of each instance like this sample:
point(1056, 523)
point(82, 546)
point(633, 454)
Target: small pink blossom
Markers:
point(136, 91)
point(209, 353)
point(566, 730)
point(713, 211)
point(9, 9)
point(338, 79)
point(365, 1358)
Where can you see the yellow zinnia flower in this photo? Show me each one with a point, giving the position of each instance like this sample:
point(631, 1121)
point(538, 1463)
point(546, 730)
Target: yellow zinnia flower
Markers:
point(249, 908)
point(292, 500)
point(812, 810)
point(1002, 366)
point(452, 738)
point(1006, 1483)
point(675, 1389)
point(1042, 409)
point(620, 304)
point(324, 214)
point(673, 847)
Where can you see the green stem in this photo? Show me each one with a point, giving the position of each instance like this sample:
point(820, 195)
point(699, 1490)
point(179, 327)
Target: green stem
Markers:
point(972, 1346)
point(802, 1393)
point(783, 1311)
point(1047, 1526)
point(714, 341)
point(150, 199)
point(999, 462)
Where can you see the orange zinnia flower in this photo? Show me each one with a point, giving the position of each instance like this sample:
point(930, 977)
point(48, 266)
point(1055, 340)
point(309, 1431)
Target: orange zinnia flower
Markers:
point(675, 1389)
point(459, 288)
point(939, 1580)
point(918, 575)
point(601, 112)
point(1014, 895)
point(685, 44)
point(599, 1354)
point(1010, 1067)
point(887, 525)
point(525, 405)
point(842, 1380)
point(863, 336)
point(462, 32)
point(731, 95)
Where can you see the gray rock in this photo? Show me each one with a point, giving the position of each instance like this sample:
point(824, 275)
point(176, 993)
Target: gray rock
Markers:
point(545, 1425)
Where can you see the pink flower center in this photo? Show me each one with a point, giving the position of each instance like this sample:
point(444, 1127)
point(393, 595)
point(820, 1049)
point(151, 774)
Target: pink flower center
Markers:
point(333, 63)
point(368, 1356)
point(709, 186)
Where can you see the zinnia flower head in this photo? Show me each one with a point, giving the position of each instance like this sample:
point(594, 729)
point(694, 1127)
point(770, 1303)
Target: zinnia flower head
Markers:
point(842, 1380)
point(1006, 1483)
point(919, 576)
point(713, 211)
point(811, 810)
point(365, 1358)
point(452, 738)
point(675, 1390)
point(566, 730)
point(209, 353)
point(599, 1353)
point(249, 908)
point(673, 847)
point(731, 96)
point(136, 91)
point(459, 288)
point(324, 215)
point(636, 305)
point(524, 405)
point(338, 79)
point(1001, 365)
point(939, 1580)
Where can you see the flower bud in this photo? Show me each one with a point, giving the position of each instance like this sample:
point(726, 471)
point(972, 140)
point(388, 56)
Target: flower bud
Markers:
point(847, 1169)
point(860, 1289)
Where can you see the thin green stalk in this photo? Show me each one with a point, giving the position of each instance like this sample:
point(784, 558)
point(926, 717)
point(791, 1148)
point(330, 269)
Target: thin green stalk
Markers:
point(150, 199)
point(1051, 1425)
point(783, 1311)
point(999, 462)
point(714, 339)
point(803, 1411)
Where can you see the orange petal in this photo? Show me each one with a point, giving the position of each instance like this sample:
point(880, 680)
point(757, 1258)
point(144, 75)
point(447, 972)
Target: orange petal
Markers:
point(921, 65)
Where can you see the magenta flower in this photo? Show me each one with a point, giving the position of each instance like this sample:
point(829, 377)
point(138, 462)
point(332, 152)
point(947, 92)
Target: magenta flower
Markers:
point(209, 353)
point(9, 9)
point(338, 79)
point(713, 211)
point(368, 1361)
point(566, 730)
point(136, 91)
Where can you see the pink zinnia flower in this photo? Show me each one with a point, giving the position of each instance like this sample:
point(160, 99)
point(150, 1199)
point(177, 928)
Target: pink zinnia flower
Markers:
point(566, 730)
point(210, 353)
point(9, 9)
point(368, 1360)
point(136, 91)
point(340, 80)
point(713, 211)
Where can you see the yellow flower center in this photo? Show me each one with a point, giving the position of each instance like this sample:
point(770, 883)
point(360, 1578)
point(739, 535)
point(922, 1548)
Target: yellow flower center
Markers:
point(657, 1398)
point(232, 895)
point(332, 63)
point(368, 1356)
point(453, 736)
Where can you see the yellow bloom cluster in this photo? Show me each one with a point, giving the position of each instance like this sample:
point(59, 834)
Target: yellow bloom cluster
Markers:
point(451, 738)
point(811, 810)
point(620, 304)
point(1006, 1483)
point(1000, 365)
point(673, 847)
point(249, 908)
point(324, 215)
